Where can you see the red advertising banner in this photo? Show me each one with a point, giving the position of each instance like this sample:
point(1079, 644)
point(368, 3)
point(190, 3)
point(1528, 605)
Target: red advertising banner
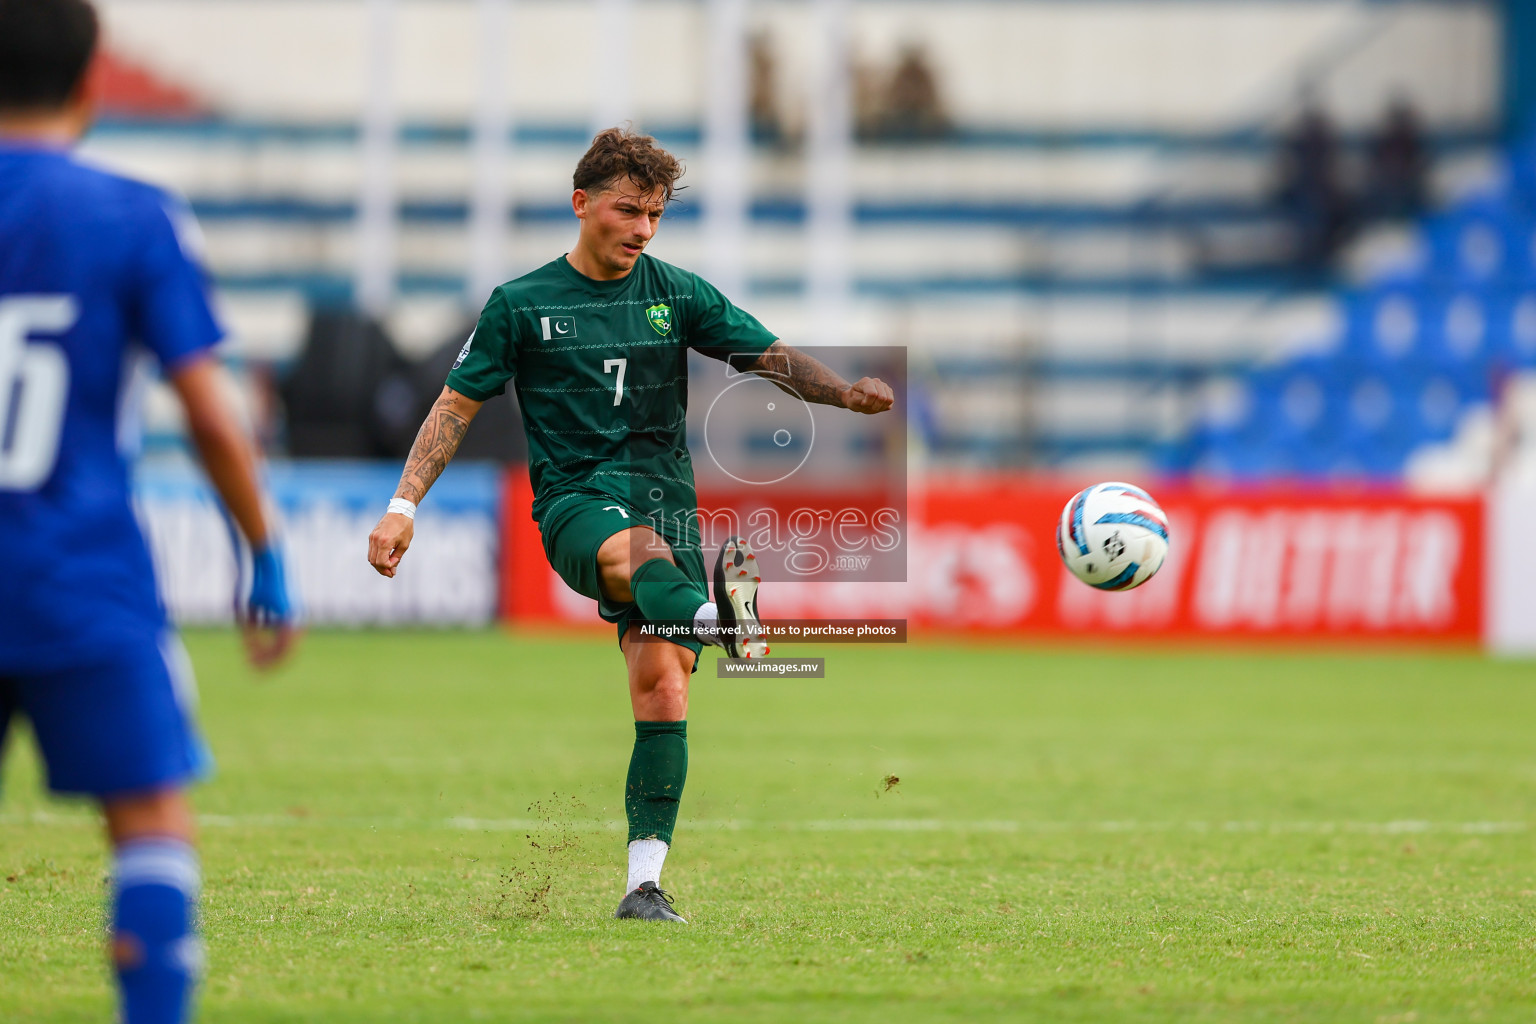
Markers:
point(1274, 564)
point(1277, 563)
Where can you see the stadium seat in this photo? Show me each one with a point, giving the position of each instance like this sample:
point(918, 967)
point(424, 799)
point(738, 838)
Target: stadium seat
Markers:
point(1512, 331)
point(1300, 400)
point(1247, 459)
point(1435, 400)
point(1484, 238)
point(1456, 327)
point(1422, 351)
point(1386, 322)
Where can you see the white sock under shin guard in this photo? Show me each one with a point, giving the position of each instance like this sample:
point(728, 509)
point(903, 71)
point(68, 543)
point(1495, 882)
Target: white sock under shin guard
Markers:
point(646, 857)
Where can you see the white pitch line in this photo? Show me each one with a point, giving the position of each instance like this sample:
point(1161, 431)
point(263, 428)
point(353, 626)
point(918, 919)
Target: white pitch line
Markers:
point(937, 825)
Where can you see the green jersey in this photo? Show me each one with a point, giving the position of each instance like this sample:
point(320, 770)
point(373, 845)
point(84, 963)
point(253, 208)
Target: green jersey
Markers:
point(601, 374)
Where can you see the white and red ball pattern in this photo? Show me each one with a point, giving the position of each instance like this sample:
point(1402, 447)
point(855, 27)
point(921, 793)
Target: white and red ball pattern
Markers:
point(1113, 536)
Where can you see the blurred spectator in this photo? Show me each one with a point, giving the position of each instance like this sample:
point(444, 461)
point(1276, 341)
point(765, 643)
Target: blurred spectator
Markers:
point(350, 394)
point(353, 395)
point(1396, 166)
point(1309, 193)
point(763, 91)
point(868, 99)
point(913, 108)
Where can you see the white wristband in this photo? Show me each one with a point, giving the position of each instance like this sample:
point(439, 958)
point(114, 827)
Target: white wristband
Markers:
point(401, 507)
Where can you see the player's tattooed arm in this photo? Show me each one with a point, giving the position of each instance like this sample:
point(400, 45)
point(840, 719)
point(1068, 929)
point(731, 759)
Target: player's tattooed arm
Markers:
point(799, 374)
point(811, 380)
point(439, 438)
point(435, 445)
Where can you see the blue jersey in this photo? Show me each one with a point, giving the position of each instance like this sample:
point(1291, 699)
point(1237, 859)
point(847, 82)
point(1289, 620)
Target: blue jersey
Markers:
point(95, 275)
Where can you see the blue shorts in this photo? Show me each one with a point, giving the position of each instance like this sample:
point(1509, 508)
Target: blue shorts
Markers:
point(119, 727)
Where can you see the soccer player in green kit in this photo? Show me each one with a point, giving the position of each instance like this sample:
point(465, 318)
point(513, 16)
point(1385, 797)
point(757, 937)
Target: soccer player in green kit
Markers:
point(596, 344)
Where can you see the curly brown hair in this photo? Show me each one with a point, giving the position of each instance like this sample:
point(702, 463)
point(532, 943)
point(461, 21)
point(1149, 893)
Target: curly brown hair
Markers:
point(618, 153)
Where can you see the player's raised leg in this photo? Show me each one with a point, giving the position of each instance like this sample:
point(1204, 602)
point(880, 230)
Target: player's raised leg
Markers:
point(638, 565)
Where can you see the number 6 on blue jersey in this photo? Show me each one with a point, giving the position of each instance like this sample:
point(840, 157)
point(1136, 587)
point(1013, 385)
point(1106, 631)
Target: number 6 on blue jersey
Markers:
point(35, 377)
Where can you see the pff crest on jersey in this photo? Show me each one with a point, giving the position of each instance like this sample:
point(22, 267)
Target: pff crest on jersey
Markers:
point(660, 316)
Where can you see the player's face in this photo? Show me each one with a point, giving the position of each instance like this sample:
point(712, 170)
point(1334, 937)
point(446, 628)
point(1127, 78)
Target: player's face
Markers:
point(617, 225)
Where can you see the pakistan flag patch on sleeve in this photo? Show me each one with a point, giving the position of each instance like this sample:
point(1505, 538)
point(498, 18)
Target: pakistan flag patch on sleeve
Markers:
point(660, 316)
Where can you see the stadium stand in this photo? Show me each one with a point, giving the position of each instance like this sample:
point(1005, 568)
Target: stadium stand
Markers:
point(1411, 380)
point(1072, 265)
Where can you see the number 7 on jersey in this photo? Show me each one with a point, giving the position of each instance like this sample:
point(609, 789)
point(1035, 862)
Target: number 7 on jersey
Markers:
point(618, 386)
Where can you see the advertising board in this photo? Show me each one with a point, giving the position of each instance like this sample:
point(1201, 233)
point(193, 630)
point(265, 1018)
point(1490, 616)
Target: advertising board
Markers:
point(1277, 564)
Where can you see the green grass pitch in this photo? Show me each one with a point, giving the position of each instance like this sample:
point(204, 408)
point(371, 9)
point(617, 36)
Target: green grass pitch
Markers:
point(422, 827)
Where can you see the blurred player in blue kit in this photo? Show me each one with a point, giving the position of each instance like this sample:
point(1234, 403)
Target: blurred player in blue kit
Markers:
point(96, 273)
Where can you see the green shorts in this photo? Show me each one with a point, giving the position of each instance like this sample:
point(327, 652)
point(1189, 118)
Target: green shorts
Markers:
point(571, 541)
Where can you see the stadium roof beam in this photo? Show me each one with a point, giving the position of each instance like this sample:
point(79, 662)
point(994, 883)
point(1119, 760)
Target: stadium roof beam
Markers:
point(727, 148)
point(829, 196)
point(491, 145)
point(377, 214)
point(613, 98)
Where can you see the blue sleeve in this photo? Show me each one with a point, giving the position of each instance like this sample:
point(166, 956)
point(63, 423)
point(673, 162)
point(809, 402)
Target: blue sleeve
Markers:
point(171, 312)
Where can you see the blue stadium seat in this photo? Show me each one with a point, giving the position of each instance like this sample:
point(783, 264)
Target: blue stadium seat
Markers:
point(1375, 407)
point(1349, 459)
point(1382, 459)
point(1456, 327)
point(1323, 461)
point(1252, 460)
point(1388, 322)
point(1481, 241)
point(1419, 350)
point(1512, 331)
point(1435, 400)
point(1293, 401)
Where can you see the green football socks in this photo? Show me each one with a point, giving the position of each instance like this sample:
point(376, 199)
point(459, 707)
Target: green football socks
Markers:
point(664, 594)
point(657, 770)
point(659, 766)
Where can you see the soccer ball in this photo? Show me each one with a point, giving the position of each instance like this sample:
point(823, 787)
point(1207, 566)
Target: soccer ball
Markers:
point(1113, 536)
